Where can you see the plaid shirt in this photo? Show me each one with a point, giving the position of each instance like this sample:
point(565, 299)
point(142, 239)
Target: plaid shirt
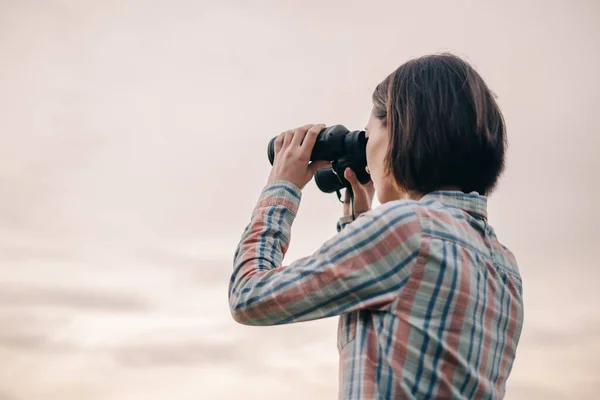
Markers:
point(429, 302)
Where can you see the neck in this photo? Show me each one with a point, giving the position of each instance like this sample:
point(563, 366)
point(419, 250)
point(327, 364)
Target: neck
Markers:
point(399, 194)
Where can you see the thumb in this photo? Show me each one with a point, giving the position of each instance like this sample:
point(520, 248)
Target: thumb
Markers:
point(351, 177)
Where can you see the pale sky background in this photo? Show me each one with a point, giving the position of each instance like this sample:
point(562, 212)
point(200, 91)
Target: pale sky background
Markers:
point(133, 149)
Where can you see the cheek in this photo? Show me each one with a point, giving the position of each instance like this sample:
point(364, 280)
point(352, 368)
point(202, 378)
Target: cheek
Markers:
point(375, 155)
point(373, 163)
point(369, 151)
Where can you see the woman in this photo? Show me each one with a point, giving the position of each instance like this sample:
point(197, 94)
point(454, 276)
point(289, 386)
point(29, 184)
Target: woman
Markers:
point(430, 302)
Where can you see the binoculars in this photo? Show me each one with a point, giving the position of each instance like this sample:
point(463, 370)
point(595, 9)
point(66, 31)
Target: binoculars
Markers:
point(344, 149)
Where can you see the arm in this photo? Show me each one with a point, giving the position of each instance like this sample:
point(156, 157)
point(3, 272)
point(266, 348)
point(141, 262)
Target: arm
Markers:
point(363, 266)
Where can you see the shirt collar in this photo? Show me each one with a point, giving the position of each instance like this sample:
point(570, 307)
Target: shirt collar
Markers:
point(472, 203)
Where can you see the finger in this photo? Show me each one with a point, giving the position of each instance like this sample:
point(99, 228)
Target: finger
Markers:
point(350, 176)
point(311, 138)
point(279, 143)
point(299, 135)
point(287, 138)
point(314, 166)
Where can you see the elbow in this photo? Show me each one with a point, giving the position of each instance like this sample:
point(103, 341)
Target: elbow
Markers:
point(235, 308)
point(241, 317)
point(248, 316)
point(238, 310)
point(236, 303)
point(244, 318)
point(238, 315)
point(245, 305)
point(239, 294)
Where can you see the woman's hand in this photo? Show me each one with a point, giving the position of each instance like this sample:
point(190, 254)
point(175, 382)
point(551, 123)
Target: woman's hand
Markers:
point(363, 194)
point(292, 156)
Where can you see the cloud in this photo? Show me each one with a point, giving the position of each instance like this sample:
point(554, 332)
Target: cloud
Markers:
point(52, 296)
point(180, 353)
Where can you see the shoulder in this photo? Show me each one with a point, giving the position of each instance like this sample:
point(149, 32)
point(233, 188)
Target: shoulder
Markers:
point(505, 256)
point(394, 209)
point(400, 218)
point(399, 210)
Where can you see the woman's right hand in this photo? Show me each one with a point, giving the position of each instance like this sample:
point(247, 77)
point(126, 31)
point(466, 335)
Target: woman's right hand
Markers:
point(363, 194)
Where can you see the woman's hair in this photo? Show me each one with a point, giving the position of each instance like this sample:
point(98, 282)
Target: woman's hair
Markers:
point(446, 129)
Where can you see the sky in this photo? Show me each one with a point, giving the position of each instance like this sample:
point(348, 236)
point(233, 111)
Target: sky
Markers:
point(133, 149)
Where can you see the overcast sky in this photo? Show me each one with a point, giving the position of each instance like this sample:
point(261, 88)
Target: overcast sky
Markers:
point(133, 149)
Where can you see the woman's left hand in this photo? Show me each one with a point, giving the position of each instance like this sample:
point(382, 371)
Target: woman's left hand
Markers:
point(292, 156)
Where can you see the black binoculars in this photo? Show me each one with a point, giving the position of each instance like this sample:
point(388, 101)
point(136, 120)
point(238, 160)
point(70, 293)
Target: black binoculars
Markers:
point(345, 149)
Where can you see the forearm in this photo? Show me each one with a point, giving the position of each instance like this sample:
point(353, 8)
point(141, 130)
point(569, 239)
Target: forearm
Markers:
point(262, 248)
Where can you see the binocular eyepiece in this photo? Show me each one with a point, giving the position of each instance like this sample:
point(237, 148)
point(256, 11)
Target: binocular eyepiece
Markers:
point(345, 149)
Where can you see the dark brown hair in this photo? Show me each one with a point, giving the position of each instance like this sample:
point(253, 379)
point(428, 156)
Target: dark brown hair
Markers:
point(445, 128)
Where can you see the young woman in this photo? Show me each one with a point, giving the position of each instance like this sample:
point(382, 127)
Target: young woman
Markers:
point(430, 302)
